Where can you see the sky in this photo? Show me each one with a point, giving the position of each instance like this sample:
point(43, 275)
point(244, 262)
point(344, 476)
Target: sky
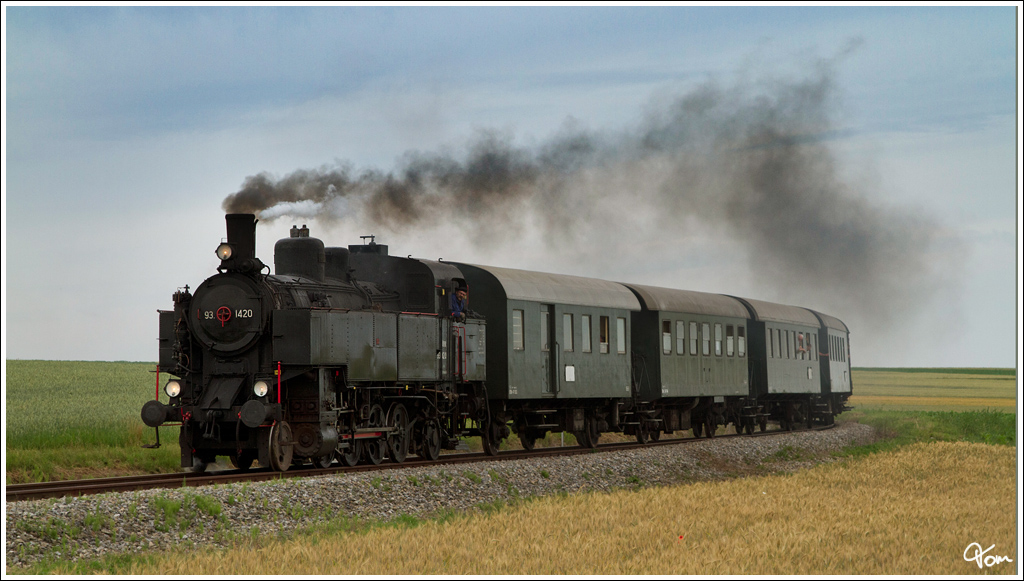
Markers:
point(860, 161)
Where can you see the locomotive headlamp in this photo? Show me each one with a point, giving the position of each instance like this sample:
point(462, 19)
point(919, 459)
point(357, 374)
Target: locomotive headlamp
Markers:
point(260, 388)
point(173, 388)
point(224, 251)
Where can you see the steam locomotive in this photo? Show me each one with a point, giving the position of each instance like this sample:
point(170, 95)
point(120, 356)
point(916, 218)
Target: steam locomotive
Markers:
point(354, 355)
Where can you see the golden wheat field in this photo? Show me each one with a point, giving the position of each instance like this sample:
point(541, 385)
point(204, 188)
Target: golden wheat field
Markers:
point(889, 390)
point(910, 512)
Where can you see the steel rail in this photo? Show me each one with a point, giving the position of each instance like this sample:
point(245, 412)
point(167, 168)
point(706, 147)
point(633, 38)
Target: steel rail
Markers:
point(60, 489)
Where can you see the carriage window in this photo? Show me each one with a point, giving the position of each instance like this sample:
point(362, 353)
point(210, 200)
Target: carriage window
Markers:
point(787, 350)
point(604, 335)
point(729, 341)
point(680, 339)
point(693, 338)
point(801, 349)
point(544, 322)
point(705, 336)
point(567, 331)
point(620, 330)
point(585, 328)
point(718, 339)
point(771, 344)
point(741, 342)
point(517, 330)
point(666, 337)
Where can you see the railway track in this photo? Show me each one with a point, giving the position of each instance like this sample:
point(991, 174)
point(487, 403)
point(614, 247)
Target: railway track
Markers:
point(60, 489)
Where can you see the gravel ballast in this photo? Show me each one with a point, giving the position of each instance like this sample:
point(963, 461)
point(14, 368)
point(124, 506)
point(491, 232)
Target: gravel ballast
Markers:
point(132, 522)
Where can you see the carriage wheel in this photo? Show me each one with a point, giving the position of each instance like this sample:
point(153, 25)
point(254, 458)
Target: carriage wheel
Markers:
point(697, 429)
point(490, 439)
point(594, 427)
point(643, 432)
point(590, 434)
point(528, 439)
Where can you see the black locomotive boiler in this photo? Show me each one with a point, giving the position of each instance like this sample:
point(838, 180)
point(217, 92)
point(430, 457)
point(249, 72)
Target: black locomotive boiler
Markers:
point(351, 354)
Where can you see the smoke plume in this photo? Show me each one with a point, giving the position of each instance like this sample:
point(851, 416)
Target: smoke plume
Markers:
point(752, 161)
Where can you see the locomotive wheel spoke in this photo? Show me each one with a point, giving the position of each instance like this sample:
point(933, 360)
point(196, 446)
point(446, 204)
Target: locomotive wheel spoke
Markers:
point(243, 461)
point(431, 445)
point(281, 447)
point(351, 455)
point(373, 450)
point(324, 461)
point(398, 441)
point(199, 465)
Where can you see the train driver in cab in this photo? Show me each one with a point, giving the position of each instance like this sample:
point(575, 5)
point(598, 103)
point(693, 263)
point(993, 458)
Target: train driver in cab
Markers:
point(460, 302)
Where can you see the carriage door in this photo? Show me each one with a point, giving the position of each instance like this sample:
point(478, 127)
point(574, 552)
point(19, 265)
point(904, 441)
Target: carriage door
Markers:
point(549, 352)
point(705, 356)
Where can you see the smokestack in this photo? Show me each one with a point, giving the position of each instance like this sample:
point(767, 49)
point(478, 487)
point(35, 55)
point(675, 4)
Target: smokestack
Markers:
point(242, 236)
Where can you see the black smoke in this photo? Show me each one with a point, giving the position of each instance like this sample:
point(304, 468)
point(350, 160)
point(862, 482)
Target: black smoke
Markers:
point(754, 161)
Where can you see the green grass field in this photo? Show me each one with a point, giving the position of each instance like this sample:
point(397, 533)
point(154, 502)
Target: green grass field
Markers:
point(76, 419)
point(935, 390)
point(79, 419)
point(943, 370)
